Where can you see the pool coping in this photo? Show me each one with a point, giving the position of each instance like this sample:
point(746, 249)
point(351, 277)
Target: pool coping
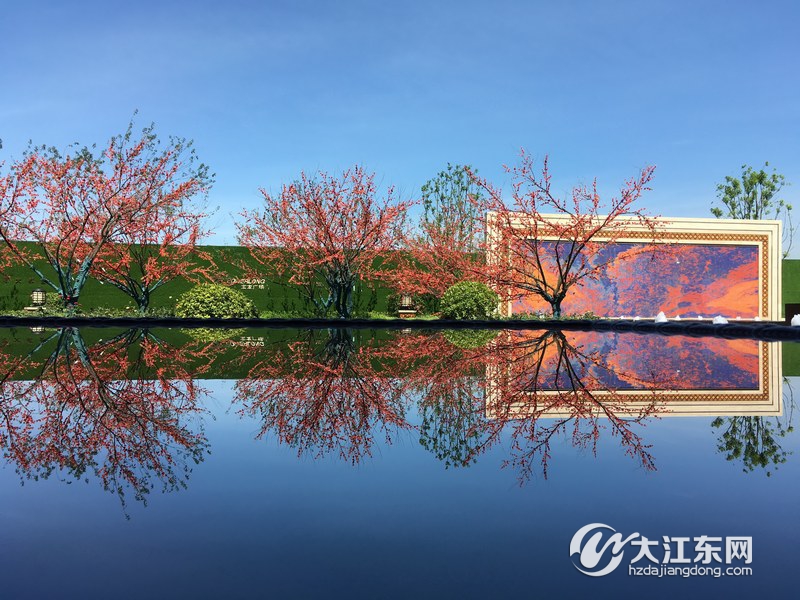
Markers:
point(762, 330)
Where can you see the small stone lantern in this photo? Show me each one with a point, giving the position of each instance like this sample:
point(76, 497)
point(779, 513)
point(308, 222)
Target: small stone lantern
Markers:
point(38, 297)
point(406, 309)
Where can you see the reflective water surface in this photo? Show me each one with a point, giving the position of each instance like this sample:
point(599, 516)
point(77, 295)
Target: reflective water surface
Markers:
point(381, 464)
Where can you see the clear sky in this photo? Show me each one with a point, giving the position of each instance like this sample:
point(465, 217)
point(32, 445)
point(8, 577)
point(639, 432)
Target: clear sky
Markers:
point(267, 89)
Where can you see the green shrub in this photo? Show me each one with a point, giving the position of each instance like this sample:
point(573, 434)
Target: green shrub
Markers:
point(208, 335)
point(546, 316)
point(430, 303)
point(469, 300)
point(215, 301)
point(52, 303)
point(587, 316)
point(469, 338)
point(160, 311)
point(379, 316)
point(531, 316)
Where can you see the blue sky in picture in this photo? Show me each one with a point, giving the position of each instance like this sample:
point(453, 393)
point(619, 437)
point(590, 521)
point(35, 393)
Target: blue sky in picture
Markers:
point(267, 89)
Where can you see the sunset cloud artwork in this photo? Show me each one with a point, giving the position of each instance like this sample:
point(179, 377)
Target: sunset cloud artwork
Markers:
point(689, 280)
point(697, 268)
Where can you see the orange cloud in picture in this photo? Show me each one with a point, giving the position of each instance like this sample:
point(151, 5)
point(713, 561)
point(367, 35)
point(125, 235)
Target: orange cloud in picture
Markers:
point(631, 362)
point(683, 279)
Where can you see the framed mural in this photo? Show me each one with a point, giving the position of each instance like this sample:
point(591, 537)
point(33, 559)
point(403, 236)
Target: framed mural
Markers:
point(696, 268)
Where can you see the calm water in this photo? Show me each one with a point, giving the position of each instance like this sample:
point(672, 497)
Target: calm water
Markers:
point(390, 464)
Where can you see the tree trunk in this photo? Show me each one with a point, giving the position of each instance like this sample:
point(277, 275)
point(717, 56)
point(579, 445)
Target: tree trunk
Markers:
point(144, 302)
point(70, 304)
point(339, 347)
point(343, 299)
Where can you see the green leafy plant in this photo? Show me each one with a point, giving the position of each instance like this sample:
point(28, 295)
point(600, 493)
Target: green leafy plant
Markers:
point(755, 441)
point(215, 301)
point(755, 196)
point(450, 203)
point(470, 338)
point(469, 300)
point(160, 311)
point(543, 316)
point(530, 316)
point(586, 316)
point(208, 335)
point(53, 305)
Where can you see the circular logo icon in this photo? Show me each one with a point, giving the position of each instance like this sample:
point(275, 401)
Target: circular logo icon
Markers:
point(592, 555)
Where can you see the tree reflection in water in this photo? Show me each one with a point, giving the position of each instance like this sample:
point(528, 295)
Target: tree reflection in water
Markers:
point(531, 386)
point(754, 440)
point(322, 394)
point(130, 415)
point(327, 394)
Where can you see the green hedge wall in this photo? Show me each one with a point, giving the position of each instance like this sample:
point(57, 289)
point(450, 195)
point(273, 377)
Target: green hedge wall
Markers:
point(19, 281)
point(791, 281)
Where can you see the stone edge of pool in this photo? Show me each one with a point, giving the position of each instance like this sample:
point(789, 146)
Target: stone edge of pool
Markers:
point(765, 330)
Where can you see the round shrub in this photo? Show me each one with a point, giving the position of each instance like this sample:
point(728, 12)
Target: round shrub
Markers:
point(208, 336)
point(469, 300)
point(210, 300)
point(469, 338)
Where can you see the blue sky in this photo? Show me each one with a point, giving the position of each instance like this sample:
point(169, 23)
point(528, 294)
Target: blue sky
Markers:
point(267, 89)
